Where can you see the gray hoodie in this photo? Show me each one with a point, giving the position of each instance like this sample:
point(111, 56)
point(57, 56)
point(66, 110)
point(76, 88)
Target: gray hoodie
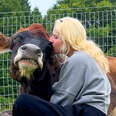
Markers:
point(82, 81)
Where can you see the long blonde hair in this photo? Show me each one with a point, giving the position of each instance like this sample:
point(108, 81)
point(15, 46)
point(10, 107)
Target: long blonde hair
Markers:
point(73, 34)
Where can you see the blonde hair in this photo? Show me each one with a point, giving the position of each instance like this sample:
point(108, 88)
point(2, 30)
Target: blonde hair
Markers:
point(73, 35)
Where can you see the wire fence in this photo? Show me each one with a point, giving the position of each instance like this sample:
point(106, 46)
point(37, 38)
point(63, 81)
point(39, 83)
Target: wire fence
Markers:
point(100, 26)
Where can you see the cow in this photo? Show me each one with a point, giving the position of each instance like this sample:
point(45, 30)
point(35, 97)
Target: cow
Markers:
point(31, 60)
point(112, 78)
point(42, 63)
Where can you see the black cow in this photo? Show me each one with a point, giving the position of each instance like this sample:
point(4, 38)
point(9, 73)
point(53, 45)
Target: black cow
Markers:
point(32, 60)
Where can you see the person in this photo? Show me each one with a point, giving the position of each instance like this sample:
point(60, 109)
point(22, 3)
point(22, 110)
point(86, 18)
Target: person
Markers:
point(83, 89)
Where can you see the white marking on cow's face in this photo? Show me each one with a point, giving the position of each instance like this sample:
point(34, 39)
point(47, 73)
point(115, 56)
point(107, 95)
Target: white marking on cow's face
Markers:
point(28, 58)
point(26, 68)
point(40, 61)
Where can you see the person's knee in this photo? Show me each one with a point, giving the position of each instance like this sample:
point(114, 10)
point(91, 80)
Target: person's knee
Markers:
point(21, 99)
point(20, 102)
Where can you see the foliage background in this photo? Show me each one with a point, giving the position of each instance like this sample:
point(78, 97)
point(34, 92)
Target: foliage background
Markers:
point(98, 17)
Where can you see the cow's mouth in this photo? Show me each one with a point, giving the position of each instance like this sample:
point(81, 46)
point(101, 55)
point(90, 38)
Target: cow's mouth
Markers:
point(27, 66)
point(28, 62)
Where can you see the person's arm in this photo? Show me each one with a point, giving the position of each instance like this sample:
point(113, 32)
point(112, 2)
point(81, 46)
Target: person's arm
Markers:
point(71, 81)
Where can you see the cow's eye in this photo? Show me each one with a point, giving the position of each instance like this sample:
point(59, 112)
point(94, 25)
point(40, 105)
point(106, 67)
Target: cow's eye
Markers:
point(16, 39)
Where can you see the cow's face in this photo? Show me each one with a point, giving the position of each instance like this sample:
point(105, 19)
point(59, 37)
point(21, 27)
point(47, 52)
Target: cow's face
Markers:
point(29, 53)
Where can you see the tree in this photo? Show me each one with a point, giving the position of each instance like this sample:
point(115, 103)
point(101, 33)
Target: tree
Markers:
point(25, 6)
point(9, 5)
point(13, 14)
point(36, 16)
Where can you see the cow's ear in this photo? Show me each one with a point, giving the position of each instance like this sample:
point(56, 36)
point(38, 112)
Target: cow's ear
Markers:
point(21, 29)
point(4, 43)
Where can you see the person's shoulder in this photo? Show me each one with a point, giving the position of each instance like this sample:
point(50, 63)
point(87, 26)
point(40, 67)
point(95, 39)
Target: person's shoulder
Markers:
point(79, 56)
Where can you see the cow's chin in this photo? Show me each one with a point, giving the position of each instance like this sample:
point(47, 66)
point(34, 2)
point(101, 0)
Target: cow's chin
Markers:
point(27, 67)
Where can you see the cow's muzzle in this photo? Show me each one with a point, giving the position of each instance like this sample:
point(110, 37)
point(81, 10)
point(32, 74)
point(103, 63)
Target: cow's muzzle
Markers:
point(28, 58)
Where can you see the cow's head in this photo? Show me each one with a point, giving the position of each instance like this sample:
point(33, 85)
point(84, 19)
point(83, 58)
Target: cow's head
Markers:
point(31, 50)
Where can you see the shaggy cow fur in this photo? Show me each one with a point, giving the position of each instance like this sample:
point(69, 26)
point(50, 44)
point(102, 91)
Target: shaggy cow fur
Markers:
point(31, 68)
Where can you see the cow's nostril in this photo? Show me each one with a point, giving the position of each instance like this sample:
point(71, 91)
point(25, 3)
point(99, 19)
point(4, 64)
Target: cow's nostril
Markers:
point(23, 47)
